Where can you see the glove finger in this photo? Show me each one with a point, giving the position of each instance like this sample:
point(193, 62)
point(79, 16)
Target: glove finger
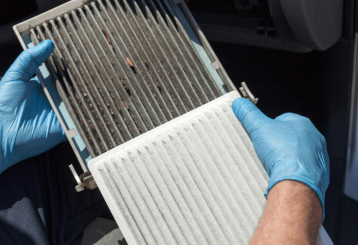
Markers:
point(28, 61)
point(248, 114)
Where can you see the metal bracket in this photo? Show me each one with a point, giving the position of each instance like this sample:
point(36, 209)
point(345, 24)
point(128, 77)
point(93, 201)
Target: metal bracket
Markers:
point(215, 65)
point(72, 133)
point(246, 93)
point(85, 181)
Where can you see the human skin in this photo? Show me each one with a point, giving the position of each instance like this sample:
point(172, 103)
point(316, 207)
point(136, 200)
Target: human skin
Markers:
point(292, 215)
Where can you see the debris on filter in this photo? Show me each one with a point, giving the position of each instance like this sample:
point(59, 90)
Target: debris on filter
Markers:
point(126, 87)
point(124, 83)
point(81, 120)
point(107, 37)
point(91, 125)
point(139, 129)
point(145, 63)
point(129, 62)
point(130, 130)
point(38, 37)
point(158, 86)
point(126, 106)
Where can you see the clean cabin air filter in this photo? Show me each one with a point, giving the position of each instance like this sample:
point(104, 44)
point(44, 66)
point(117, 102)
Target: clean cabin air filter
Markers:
point(193, 180)
point(143, 101)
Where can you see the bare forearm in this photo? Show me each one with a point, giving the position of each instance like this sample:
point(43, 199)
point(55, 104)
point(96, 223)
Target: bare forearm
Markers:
point(292, 215)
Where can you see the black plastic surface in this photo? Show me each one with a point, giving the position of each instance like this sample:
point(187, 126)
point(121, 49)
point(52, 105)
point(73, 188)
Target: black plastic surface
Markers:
point(16, 9)
point(315, 23)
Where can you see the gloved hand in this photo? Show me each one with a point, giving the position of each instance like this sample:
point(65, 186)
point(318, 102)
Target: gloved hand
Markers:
point(289, 147)
point(28, 125)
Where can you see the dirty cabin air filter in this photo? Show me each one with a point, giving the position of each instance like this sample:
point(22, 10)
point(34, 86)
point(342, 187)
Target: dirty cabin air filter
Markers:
point(125, 71)
point(122, 68)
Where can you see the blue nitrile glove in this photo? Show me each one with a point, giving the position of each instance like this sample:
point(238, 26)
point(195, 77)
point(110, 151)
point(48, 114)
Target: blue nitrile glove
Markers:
point(28, 125)
point(289, 147)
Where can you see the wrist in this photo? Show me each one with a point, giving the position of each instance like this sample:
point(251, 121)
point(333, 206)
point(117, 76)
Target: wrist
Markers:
point(302, 178)
point(292, 215)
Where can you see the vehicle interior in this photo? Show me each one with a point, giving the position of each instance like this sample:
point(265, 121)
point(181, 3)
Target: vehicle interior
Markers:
point(291, 63)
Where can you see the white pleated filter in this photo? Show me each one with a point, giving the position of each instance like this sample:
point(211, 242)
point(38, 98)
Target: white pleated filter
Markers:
point(194, 180)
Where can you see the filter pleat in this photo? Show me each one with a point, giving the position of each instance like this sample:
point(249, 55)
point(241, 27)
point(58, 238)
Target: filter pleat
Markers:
point(212, 196)
point(132, 217)
point(109, 91)
point(173, 58)
point(243, 145)
point(95, 119)
point(200, 66)
point(188, 189)
point(135, 202)
point(131, 67)
point(210, 175)
point(131, 100)
point(166, 79)
point(175, 202)
point(156, 202)
point(226, 165)
point(185, 59)
point(117, 28)
point(154, 43)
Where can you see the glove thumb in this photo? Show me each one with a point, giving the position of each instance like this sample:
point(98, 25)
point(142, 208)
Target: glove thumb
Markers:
point(249, 115)
point(29, 60)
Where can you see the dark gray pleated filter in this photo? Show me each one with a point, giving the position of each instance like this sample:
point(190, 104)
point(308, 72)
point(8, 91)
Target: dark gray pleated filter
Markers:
point(122, 68)
point(194, 180)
